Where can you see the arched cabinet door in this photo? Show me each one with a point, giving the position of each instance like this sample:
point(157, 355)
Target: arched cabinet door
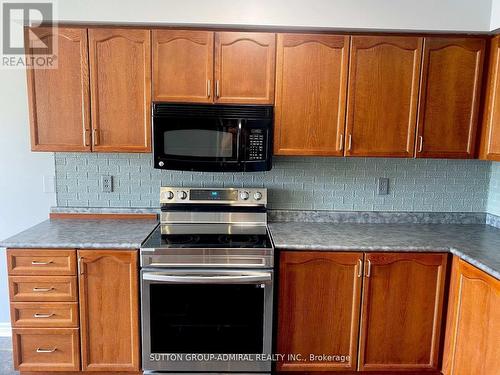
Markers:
point(311, 83)
point(59, 96)
point(382, 99)
point(183, 65)
point(120, 81)
point(244, 67)
point(449, 97)
point(109, 310)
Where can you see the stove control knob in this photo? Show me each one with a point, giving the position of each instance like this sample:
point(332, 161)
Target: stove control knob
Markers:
point(257, 196)
point(182, 195)
point(244, 195)
point(169, 195)
point(161, 164)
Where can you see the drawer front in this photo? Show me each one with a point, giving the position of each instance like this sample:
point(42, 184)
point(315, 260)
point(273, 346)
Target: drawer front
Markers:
point(46, 349)
point(44, 315)
point(43, 288)
point(41, 262)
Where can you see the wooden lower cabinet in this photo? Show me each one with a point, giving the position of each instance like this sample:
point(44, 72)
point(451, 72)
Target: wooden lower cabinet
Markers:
point(473, 328)
point(109, 310)
point(383, 310)
point(402, 310)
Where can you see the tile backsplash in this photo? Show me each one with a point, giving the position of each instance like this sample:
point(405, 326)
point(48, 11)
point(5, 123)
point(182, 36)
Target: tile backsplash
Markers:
point(319, 183)
point(494, 190)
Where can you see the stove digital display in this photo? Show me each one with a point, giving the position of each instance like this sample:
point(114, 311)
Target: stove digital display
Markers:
point(213, 195)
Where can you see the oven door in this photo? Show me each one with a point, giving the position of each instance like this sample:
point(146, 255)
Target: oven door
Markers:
point(198, 144)
point(207, 320)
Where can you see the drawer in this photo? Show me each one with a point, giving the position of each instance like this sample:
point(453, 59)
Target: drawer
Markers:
point(44, 315)
point(43, 288)
point(41, 262)
point(46, 349)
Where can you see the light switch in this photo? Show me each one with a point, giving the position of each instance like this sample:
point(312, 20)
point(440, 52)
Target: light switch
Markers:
point(49, 184)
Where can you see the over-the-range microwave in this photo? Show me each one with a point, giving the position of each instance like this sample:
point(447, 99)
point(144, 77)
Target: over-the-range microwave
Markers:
point(217, 138)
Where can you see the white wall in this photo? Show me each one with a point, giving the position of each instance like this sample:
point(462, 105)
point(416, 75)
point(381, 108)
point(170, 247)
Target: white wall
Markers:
point(495, 15)
point(22, 201)
point(437, 15)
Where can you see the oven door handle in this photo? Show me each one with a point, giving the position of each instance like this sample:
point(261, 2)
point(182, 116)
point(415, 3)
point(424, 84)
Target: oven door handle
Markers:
point(254, 278)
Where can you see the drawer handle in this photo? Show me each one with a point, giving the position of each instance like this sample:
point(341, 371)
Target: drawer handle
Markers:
point(37, 263)
point(35, 289)
point(40, 350)
point(37, 315)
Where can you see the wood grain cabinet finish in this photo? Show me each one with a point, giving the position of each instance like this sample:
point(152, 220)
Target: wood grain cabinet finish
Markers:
point(46, 349)
point(244, 67)
point(402, 310)
point(490, 140)
point(311, 86)
point(109, 310)
point(59, 98)
point(473, 331)
point(319, 302)
point(120, 81)
point(183, 63)
point(43, 288)
point(41, 262)
point(449, 97)
point(44, 314)
point(382, 95)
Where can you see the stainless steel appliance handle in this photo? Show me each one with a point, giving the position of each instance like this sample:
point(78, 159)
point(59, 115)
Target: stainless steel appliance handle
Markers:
point(255, 278)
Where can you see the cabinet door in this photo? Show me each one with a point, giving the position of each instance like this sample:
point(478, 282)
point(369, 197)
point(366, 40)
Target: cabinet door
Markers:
point(319, 302)
point(311, 79)
point(183, 64)
point(473, 331)
point(382, 95)
point(109, 310)
point(244, 67)
point(59, 97)
point(449, 97)
point(402, 310)
point(120, 81)
point(490, 141)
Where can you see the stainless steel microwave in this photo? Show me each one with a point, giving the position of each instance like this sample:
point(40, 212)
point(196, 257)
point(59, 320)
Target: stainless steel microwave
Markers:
point(216, 138)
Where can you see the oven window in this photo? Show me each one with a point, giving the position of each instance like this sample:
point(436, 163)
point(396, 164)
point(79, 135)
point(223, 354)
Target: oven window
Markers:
point(198, 143)
point(206, 318)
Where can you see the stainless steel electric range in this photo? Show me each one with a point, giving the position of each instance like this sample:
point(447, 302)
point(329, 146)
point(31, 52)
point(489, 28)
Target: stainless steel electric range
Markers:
point(207, 283)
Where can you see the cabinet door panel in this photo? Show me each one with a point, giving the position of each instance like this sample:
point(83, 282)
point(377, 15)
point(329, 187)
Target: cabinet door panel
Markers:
point(319, 302)
point(490, 142)
point(382, 96)
point(120, 80)
point(449, 97)
point(183, 65)
point(244, 67)
point(311, 78)
point(402, 309)
point(59, 97)
point(109, 310)
point(473, 332)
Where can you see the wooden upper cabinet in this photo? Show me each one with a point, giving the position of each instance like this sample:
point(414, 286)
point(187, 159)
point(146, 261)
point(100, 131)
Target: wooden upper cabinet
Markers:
point(183, 64)
point(449, 97)
point(402, 311)
point(109, 310)
point(120, 81)
point(311, 85)
point(244, 67)
point(319, 303)
point(59, 97)
point(473, 331)
point(490, 140)
point(382, 95)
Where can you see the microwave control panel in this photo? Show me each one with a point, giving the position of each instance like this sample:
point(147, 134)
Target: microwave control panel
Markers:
point(256, 145)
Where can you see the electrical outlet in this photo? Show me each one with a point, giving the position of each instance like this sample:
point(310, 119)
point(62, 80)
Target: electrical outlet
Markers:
point(107, 184)
point(383, 186)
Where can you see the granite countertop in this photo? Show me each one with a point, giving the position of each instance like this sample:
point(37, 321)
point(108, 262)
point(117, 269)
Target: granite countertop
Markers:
point(84, 234)
point(475, 243)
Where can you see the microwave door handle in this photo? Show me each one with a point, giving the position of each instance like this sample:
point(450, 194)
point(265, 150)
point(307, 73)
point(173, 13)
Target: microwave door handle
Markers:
point(257, 278)
point(238, 140)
